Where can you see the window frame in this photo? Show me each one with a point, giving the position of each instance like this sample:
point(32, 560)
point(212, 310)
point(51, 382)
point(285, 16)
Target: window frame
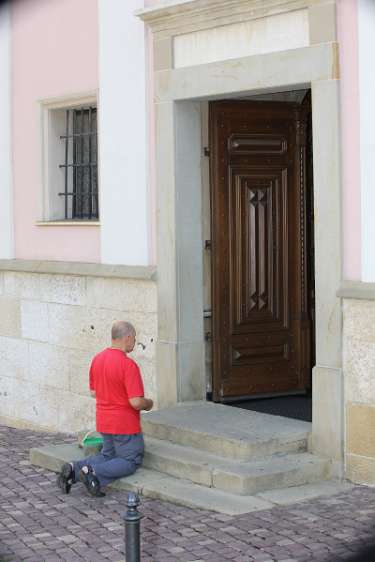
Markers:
point(49, 143)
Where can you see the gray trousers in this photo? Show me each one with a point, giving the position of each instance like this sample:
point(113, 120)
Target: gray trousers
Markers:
point(121, 456)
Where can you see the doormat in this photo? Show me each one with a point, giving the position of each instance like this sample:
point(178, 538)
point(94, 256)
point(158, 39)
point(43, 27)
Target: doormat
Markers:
point(296, 407)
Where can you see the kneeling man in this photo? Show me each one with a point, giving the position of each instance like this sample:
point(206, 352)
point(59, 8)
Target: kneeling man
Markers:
point(117, 386)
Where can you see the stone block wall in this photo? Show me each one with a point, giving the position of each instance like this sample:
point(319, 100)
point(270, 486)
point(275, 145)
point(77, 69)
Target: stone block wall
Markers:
point(51, 326)
point(359, 375)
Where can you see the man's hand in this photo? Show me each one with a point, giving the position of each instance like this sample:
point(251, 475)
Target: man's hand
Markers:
point(151, 405)
point(140, 403)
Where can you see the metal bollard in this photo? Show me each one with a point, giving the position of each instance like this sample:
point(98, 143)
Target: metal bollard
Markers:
point(132, 519)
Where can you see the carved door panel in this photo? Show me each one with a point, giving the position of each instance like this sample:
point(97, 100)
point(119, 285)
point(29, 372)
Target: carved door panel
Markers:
point(261, 327)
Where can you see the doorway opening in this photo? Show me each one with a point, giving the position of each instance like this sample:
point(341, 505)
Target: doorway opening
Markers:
point(261, 253)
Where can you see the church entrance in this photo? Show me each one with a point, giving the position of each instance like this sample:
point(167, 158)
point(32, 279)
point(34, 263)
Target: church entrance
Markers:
point(262, 245)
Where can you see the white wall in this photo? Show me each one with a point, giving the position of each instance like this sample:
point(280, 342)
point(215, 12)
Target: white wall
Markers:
point(366, 38)
point(6, 192)
point(122, 134)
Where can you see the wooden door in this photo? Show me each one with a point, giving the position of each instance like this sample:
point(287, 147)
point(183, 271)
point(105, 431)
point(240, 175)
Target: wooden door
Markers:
point(261, 326)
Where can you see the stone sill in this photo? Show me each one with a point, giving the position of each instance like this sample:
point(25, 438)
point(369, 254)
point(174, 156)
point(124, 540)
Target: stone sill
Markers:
point(81, 269)
point(67, 223)
point(357, 290)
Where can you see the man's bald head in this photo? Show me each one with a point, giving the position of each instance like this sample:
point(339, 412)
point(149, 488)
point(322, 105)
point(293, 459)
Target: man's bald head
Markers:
point(121, 330)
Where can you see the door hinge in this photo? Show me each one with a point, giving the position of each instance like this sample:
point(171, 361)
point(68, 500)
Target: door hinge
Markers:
point(207, 151)
point(207, 245)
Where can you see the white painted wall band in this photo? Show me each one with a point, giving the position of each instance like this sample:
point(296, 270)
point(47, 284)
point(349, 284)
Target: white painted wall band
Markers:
point(122, 134)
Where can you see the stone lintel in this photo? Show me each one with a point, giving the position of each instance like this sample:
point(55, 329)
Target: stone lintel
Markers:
point(79, 268)
point(256, 74)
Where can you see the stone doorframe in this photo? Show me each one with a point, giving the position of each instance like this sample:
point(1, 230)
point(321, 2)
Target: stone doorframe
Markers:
point(178, 93)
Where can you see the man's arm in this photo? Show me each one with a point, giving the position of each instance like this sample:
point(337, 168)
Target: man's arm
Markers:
point(140, 403)
point(91, 380)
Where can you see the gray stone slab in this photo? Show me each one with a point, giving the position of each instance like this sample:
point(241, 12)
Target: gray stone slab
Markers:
point(161, 486)
point(287, 496)
point(182, 492)
point(233, 475)
point(156, 485)
point(271, 473)
point(226, 431)
point(53, 456)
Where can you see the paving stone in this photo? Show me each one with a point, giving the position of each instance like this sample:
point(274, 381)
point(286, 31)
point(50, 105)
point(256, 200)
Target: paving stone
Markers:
point(39, 524)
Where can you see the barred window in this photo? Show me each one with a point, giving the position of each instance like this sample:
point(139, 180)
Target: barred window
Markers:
point(80, 167)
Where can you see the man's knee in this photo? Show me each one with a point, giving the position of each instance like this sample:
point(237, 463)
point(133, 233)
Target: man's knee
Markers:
point(134, 458)
point(133, 462)
point(131, 468)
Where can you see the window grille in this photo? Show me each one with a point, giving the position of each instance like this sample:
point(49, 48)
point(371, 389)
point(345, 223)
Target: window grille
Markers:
point(80, 168)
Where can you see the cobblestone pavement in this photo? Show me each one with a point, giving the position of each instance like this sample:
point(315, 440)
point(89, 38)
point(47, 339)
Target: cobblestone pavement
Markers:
point(38, 523)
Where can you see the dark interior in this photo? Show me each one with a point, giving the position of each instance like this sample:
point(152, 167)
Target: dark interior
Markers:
point(296, 407)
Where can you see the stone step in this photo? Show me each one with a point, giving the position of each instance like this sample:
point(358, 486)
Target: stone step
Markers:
point(183, 492)
point(227, 431)
point(233, 475)
point(151, 483)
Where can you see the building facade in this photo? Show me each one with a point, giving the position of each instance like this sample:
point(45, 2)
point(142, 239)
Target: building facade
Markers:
point(203, 169)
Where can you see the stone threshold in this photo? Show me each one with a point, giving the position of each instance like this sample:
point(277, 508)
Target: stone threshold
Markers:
point(80, 269)
point(154, 484)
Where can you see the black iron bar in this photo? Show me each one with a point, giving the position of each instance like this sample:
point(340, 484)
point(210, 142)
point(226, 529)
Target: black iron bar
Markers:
point(95, 142)
point(90, 170)
point(96, 197)
point(66, 162)
point(82, 182)
point(72, 194)
point(86, 165)
point(76, 135)
point(96, 193)
point(74, 149)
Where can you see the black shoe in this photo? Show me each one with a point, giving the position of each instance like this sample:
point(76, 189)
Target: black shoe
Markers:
point(92, 483)
point(65, 478)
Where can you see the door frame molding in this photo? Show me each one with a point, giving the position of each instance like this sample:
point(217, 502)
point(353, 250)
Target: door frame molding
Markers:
point(178, 92)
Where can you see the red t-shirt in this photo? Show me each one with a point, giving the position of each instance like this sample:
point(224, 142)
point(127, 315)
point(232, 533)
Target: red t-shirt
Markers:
point(115, 378)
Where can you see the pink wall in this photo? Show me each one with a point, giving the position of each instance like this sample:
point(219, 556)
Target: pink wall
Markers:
point(55, 53)
point(351, 188)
